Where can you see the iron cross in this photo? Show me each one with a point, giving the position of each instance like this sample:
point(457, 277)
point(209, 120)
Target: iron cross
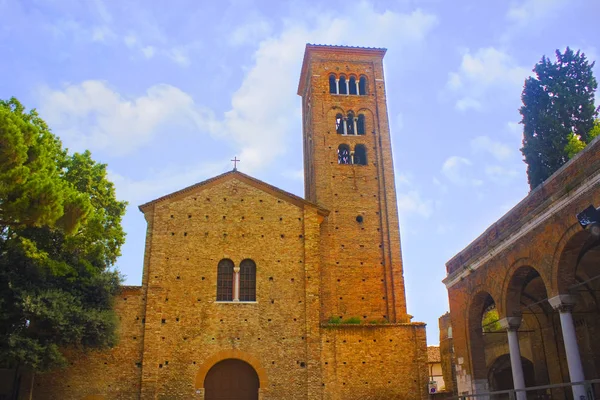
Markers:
point(235, 161)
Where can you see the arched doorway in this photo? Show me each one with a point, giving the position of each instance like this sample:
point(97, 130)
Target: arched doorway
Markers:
point(231, 379)
point(500, 376)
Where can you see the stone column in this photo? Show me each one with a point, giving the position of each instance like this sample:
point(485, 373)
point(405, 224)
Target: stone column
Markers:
point(337, 86)
point(511, 324)
point(564, 303)
point(345, 120)
point(347, 86)
point(354, 120)
point(357, 87)
point(236, 283)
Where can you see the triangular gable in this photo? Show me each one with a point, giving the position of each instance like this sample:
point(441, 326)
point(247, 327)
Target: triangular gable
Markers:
point(265, 187)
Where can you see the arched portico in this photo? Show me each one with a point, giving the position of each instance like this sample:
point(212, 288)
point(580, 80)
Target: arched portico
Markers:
point(576, 289)
point(480, 303)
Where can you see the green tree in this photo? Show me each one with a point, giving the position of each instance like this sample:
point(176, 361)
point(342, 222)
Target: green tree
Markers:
point(558, 101)
point(60, 236)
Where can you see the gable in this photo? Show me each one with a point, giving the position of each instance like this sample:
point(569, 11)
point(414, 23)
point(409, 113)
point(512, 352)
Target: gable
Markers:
point(237, 178)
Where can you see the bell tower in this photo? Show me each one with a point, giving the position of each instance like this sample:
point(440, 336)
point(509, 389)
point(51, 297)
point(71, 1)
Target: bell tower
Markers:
point(348, 169)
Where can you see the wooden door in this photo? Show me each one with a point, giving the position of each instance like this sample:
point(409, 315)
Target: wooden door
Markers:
point(231, 380)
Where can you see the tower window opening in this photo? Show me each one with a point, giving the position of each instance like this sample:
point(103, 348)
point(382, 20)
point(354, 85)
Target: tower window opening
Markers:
point(360, 155)
point(360, 125)
point(351, 122)
point(362, 86)
point(339, 124)
point(352, 85)
point(332, 84)
point(344, 154)
point(343, 85)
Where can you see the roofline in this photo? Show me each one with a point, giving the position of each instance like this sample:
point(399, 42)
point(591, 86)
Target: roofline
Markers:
point(539, 191)
point(314, 48)
point(273, 189)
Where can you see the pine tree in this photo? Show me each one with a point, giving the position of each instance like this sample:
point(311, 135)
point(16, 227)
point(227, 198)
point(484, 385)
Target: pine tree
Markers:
point(60, 235)
point(557, 102)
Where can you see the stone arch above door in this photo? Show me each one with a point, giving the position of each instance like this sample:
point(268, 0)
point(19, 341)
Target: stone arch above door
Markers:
point(227, 354)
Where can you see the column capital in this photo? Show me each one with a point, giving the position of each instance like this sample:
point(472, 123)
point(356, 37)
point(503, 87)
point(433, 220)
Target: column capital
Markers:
point(562, 302)
point(510, 323)
point(236, 269)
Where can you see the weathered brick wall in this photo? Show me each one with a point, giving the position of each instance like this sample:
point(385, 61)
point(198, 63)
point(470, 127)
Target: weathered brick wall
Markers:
point(375, 362)
point(114, 373)
point(362, 264)
point(540, 248)
point(447, 353)
point(185, 326)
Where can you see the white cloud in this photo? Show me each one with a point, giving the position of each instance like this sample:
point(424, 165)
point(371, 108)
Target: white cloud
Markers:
point(457, 170)
point(148, 51)
point(483, 144)
point(262, 115)
point(250, 33)
point(297, 175)
point(530, 12)
point(514, 128)
point(130, 40)
point(92, 115)
point(411, 203)
point(479, 72)
point(165, 181)
point(500, 174)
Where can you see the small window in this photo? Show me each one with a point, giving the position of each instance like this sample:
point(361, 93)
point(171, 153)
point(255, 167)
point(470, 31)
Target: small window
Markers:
point(344, 154)
point(247, 280)
point(360, 155)
point(332, 84)
point(353, 86)
point(362, 86)
point(360, 125)
point(343, 85)
point(225, 280)
point(351, 129)
point(339, 124)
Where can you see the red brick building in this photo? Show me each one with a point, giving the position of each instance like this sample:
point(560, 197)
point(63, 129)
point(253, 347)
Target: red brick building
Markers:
point(251, 292)
point(524, 296)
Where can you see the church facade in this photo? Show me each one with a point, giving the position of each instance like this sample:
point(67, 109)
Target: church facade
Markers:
point(250, 292)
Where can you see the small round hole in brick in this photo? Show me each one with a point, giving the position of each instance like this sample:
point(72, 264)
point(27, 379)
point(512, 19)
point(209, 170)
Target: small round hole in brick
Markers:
point(359, 219)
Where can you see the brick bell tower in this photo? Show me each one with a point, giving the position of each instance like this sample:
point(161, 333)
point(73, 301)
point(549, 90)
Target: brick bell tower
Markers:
point(348, 169)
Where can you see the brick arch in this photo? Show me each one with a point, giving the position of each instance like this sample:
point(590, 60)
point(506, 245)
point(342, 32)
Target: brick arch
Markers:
point(564, 254)
point(227, 354)
point(477, 303)
point(514, 278)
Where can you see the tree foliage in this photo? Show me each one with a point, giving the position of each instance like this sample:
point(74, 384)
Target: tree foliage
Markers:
point(557, 102)
point(60, 235)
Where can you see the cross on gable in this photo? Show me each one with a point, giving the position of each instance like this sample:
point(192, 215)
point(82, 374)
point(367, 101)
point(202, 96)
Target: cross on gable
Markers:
point(235, 161)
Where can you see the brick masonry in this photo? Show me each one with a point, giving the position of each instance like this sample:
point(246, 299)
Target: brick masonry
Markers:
point(314, 261)
point(538, 240)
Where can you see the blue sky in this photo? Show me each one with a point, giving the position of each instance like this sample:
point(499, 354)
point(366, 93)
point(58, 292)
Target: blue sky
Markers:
point(166, 93)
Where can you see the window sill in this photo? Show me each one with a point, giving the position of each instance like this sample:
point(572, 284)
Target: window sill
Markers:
point(236, 302)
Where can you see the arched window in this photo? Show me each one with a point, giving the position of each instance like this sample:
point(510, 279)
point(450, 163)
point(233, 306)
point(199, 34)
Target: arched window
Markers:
point(225, 280)
point(362, 86)
point(247, 280)
point(344, 154)
point(343, 85)
point(339, 124)
point(360, 124)
point(351, 123)
point(352, 85)
point(360, 155)
point(332, 84)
